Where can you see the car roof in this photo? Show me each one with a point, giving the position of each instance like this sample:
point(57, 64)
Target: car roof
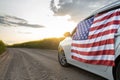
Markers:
point(106, 8)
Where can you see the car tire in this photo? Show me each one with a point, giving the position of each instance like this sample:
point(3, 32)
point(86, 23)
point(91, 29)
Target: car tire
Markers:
point(62, 59)
point(118, 71)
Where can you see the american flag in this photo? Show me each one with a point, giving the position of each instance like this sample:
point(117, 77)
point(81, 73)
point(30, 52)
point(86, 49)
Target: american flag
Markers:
point(93, 41)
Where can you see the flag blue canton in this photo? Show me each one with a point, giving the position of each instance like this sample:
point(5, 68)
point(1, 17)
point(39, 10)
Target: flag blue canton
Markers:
point(82, 30)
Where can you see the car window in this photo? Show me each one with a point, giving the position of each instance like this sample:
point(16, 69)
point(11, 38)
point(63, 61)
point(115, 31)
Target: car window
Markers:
point(73, 32)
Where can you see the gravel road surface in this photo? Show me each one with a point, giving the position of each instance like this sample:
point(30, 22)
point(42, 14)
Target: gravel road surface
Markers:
point(38, 64)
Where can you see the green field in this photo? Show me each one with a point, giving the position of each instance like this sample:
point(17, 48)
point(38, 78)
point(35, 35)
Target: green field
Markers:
point(2, 47)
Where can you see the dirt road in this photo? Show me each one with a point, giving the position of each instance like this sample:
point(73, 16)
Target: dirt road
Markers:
point(36, 64)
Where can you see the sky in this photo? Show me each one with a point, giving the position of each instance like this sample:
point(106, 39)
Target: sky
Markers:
point(28, 20)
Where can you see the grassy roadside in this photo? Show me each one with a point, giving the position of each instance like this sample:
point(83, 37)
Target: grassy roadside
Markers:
point(2, 47)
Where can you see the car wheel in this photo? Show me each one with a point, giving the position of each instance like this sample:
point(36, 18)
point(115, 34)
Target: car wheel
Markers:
point(118, 72)
point(62, 59)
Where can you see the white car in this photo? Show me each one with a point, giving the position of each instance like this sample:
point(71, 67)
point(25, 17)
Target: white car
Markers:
point(108, 72)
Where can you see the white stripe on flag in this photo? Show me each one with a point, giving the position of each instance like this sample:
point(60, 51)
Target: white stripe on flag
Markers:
point(105, 21)
point(106, 47)
point(106, 14)
point(105, 37)
point(103, 29)
point(98, 57)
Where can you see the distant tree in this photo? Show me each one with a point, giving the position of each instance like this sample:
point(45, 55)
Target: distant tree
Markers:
point(2, 47)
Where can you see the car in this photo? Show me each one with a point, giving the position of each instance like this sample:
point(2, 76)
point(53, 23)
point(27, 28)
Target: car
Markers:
point(108, 72)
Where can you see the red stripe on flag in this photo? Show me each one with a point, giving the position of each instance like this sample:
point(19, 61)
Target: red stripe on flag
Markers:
point(108, 16)
point(93, 53)
point(98, 62)
point(102, 33)
point(115, 22)
point(100, 43)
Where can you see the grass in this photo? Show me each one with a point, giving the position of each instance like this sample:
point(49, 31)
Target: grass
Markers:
point(48, 43)
point(2, 47)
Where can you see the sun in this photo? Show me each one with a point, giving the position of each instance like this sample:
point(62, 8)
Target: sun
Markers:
point(58, 25)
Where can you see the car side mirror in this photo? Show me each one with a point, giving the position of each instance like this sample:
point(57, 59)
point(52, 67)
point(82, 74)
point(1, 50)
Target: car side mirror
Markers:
point(67, 34)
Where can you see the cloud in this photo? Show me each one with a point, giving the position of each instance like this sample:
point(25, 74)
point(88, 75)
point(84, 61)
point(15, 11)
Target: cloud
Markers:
point(77, 9)
point(6, 20)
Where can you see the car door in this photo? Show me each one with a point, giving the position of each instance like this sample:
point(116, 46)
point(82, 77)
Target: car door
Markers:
point(97, 68)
